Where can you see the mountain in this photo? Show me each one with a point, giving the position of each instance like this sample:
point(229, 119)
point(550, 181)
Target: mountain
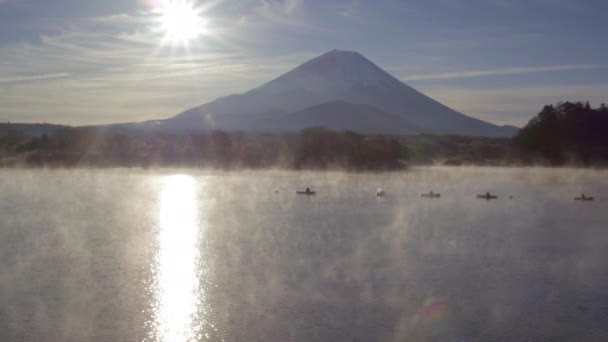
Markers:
point(29, 130)
point(340, 116)
point(322, 92)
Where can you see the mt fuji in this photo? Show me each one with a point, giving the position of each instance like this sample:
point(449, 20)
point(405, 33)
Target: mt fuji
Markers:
point(340, 90)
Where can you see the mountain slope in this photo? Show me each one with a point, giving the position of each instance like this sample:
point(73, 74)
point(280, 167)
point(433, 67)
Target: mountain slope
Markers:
point(339, 116)
point(337, 76)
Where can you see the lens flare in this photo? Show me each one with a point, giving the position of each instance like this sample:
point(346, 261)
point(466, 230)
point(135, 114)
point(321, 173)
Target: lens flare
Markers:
point(432, 310)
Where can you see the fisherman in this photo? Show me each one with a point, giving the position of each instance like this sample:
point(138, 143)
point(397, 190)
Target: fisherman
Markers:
point(488, 194)
point(307, 190)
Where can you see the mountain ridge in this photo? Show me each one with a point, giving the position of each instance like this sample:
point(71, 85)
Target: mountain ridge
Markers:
point(336, 76)
point(340, 116)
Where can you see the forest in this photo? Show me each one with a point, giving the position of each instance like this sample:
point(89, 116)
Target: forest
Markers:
point(568, 133)
point(314, 148)
point(563, 134)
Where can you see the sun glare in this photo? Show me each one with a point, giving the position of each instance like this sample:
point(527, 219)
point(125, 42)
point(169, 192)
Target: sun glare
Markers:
point(178, 283)
point(181, 21)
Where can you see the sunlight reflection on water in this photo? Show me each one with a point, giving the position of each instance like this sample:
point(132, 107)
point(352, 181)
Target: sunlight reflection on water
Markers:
point(178, 291)
point(121, 255)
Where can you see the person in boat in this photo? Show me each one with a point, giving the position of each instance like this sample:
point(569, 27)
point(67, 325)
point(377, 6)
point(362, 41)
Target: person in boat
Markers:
point(307, 190)
point(488, 194)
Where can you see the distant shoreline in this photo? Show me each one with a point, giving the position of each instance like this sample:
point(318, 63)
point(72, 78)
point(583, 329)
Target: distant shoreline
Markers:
point(565, 135)
point(404, 168)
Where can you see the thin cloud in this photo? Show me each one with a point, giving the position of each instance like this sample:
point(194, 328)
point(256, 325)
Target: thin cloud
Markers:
point(514, 105)
point(285, 13)
point(500, 72)
point(18, 79)
point(85, 76)
point(350, 9)
point(288, 7)
point(454, 44)
point(107, 65)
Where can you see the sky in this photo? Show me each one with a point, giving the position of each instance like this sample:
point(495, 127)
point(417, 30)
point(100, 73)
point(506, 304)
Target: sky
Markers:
point(82, 62)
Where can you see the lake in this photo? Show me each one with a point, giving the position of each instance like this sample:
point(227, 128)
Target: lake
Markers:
point(178, 255)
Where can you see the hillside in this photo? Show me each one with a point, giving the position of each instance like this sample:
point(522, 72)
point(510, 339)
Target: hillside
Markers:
point(334, 77)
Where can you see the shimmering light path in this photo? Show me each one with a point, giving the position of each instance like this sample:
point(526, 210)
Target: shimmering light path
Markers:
point(178, 290)
point(140, 255)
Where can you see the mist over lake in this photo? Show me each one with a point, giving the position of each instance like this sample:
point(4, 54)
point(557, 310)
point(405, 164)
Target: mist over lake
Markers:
point(178, 255)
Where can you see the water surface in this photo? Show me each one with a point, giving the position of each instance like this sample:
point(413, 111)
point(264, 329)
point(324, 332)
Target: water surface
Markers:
point(178, 255)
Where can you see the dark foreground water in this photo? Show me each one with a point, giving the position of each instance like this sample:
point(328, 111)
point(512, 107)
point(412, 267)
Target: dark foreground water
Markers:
point(121, 255)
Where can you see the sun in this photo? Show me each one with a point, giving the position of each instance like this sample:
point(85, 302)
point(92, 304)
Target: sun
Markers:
point(180, 21)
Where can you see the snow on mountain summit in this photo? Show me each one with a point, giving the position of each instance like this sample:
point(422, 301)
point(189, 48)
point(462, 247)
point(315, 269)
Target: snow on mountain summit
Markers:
point(337, 76)
point(332, 71)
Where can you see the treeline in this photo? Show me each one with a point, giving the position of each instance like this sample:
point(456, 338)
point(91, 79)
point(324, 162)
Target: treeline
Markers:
point(457, 150)
point(314, 148)
point(566, 134)
point(30, 130)
point(562, 134)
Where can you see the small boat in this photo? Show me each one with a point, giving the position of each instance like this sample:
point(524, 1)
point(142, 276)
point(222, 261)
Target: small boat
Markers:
point(487, 196)
point(307, 192)
point(380, 192)
point(430, 195)
point(583, 198)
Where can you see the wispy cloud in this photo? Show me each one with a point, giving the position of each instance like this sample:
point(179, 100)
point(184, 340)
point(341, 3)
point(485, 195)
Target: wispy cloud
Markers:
point(453, 44)
point(101, 73)
point(515, 105)
point(350, 9)
point(500, 72)
point(99, 62)
point(18, 79)
point(272, 7)
point(281, 13)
